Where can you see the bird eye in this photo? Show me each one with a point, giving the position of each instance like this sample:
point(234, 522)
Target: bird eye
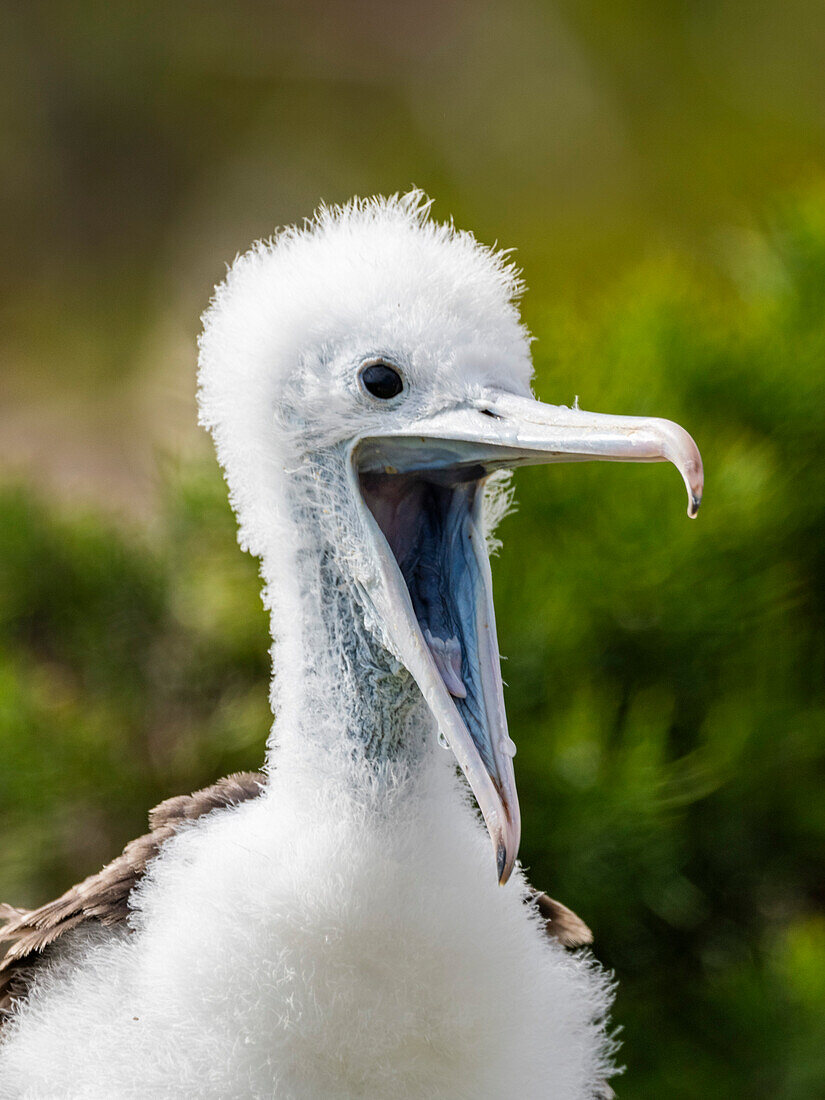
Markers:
point(381, 380)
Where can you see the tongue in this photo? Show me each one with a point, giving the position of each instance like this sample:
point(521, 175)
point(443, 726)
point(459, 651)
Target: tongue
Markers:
point(447, 657)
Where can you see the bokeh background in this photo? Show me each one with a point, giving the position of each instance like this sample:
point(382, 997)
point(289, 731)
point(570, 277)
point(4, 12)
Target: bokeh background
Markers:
point(660, 167)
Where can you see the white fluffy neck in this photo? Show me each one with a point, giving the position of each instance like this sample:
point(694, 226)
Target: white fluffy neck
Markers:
point(342, 701)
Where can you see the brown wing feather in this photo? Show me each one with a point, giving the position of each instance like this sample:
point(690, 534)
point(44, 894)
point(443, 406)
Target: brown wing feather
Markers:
point(104, 897)
point(561, 923)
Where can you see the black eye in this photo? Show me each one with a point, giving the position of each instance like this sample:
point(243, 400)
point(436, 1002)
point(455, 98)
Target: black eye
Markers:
point(381, 380)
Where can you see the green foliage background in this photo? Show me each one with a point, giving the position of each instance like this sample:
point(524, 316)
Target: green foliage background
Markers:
point(658, 167)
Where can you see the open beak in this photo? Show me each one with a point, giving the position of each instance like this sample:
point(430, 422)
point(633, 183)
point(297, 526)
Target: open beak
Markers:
point(421, 492)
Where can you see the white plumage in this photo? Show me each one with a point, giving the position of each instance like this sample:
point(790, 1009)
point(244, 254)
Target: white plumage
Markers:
point(344, 935)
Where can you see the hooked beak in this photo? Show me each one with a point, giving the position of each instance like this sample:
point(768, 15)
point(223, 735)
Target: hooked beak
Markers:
point(421, 492)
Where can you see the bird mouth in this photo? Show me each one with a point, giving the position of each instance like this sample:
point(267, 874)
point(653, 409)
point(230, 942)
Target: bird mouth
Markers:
point(431, 521)
point(421, 493)
point(429, 526)
point(441, 596)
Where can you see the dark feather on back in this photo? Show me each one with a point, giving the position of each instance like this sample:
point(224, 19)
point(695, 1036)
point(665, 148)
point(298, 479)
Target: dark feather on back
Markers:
point(104, 897)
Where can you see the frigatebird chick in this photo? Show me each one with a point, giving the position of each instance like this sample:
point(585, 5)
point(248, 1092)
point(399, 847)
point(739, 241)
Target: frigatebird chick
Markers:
point(341, 927)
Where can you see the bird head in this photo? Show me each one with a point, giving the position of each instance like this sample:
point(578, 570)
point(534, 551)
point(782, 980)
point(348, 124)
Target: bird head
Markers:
point(380, 357)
